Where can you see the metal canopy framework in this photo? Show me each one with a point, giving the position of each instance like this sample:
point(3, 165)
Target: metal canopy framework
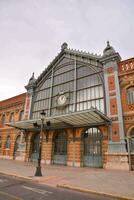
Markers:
point(91, 117)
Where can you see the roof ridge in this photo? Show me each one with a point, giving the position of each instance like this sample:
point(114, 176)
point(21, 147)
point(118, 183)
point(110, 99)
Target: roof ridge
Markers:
point(65, 49)
point(84, 52)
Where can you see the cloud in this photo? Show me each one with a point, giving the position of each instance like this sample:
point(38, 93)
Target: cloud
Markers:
point(33, 30)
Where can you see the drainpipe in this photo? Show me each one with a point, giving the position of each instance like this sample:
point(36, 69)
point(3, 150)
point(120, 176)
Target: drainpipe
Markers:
point(129, 153)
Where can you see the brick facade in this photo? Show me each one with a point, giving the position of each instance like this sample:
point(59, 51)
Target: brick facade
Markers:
point(126, 77)
point(13, 106)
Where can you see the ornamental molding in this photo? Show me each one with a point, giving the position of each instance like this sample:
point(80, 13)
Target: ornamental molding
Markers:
point(13, 105)
point(127, 82)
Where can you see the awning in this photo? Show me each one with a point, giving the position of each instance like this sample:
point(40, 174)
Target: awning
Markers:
point(92, 117)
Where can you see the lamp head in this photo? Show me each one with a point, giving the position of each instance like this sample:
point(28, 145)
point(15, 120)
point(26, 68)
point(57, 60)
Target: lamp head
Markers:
point(43, 113)
point(35, 125)
point(48, 123)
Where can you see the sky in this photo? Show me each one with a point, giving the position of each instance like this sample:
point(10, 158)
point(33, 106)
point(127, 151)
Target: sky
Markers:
point(32, 32)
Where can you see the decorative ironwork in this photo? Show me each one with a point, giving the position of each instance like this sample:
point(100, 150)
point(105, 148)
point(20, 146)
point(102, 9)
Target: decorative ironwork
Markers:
point(60, 148)
point(92, 148)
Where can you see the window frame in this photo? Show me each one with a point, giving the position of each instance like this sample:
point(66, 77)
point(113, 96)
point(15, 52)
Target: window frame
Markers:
point(21, 115)
point(8, 142)
point(3, 120)
point(11, 117)
point(130, 95)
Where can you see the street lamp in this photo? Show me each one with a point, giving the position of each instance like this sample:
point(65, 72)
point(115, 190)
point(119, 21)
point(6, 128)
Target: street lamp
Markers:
point(38, 168)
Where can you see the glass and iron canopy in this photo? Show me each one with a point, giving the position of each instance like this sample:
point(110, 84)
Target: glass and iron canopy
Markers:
point(87, 118)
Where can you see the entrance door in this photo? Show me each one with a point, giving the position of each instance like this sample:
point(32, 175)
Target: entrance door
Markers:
point(35, 147)
point(60, 148)
point(92, 148)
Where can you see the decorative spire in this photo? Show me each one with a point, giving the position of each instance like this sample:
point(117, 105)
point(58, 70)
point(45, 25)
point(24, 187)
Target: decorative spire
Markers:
point(64, 46)
point(109, 50)
point(31, 83)
point(32, 75)
point(108, 44)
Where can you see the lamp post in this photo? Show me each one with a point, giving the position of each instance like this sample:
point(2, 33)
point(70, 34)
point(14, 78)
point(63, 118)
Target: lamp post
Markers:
point(38, 168)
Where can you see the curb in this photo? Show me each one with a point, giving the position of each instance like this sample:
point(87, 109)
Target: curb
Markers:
point(78, 189)
point(17, 176)
point(33, 179)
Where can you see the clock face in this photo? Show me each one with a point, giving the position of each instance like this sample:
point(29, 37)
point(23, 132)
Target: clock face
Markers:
point(62, 99)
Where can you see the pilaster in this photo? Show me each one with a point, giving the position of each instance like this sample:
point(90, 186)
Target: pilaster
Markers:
point(117, 153)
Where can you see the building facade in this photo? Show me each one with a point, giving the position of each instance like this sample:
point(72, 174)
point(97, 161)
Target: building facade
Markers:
point(88, 103)
point(11, 110)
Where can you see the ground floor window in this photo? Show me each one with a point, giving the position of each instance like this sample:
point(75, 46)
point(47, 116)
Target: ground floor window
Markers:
point(8, 143)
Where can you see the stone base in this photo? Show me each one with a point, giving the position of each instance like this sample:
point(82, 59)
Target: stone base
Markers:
point(117, 147)
point(70, 163)
point(20, 156)
point(6, 157)
point(48, 162)
point(77, 164)
point(117, 161)
point(43, 161)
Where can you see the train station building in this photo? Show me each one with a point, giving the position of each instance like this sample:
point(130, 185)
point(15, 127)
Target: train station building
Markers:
point(80, 110)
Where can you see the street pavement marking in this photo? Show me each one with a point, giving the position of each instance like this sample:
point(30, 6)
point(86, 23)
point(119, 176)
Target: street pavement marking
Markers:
point(44, 192)
point(10, 195)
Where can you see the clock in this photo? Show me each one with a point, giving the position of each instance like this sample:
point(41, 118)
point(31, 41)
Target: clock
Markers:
point(62, 99)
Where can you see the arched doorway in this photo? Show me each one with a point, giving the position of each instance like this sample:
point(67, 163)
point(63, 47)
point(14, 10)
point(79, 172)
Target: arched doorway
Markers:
point(19, 146)
point(92, 148)
point(60, 148)
point(35, 147)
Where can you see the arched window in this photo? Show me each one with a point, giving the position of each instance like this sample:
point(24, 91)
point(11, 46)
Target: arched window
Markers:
point(21, 117)
point(12, 117)
point(3, 119)
point(0, 142)
point(132, 139)
point(130, 95)
point(81, 89)
point(8, 143)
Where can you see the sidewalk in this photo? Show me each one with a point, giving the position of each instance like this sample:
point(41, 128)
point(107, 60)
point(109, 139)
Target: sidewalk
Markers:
point(114, 182)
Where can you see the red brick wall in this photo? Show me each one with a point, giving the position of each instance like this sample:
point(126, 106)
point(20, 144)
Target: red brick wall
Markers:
point(126, 77)
point(13, 105)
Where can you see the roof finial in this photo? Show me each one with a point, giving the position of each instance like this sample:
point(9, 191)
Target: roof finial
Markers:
point(109, 50)
point(64, 46)
point(33, 75)
point(108, 44)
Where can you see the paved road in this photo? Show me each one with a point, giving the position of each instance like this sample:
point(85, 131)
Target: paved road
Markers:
point(15, 189)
